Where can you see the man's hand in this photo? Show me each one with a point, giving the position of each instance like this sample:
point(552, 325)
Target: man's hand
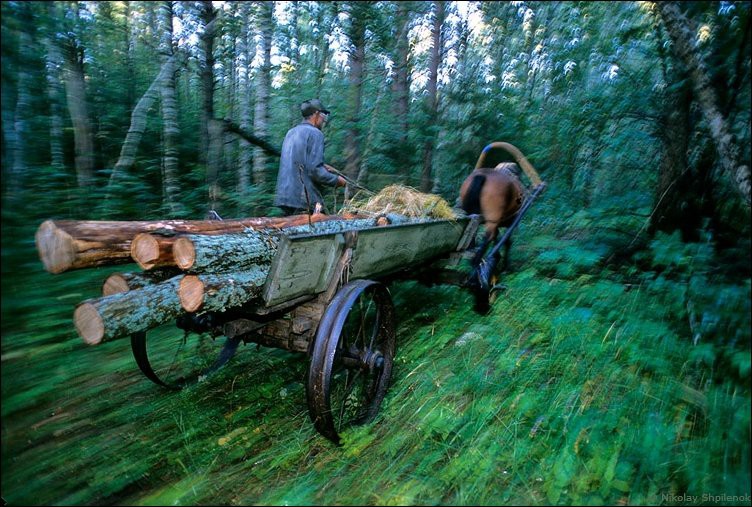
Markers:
point(341, 182)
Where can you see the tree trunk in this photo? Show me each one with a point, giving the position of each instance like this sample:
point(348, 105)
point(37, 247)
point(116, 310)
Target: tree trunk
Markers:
point(130, 90)
point(246, 150)
point(170, 129)
point(23, 96)
point(295, 64)
point(123, 314)
point(324, 27)
point(256, 141)
point(401, 85)
point(211, 130)
point(214, 163)
point(124, 282)
point(71, 244)
point(220, 292)
point(263, 88)
point(53, 64)
point(229, 67)
point(729, 156)
point(673, 176)
point(369, 144)
point(75, 90)
point(432, 103)
point(356, 60)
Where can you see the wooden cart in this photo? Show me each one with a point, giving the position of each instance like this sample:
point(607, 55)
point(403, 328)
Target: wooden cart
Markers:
point(322, 298)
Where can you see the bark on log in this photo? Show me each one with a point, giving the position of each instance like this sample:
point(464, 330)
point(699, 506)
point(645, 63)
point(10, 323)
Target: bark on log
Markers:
point(224, 253)
point(124, 282)
point(236, 252)
point(123, 314)
point(74, 244)
point(220, 292)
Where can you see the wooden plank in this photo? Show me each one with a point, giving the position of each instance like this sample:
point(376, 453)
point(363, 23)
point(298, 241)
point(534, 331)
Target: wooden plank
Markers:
point(303, 266)
point(386, 250)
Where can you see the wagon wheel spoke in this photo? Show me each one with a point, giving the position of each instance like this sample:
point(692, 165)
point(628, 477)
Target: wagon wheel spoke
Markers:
point(350, 381)
point(351, 359)
point(173, 358)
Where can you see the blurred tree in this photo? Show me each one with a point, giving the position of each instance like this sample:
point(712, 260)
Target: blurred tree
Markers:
point(682, 36)
point(53, 65)
point(359, 14)
point(245, 90)
point(211, 128)
point(263, 90)
point(400, 82)
point(170, 127)
point(432, 99)
point(75, 89)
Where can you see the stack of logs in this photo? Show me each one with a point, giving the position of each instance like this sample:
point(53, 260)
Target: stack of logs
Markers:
point(188, 266)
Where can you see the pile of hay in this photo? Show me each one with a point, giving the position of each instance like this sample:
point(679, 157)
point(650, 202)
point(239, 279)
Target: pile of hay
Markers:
point(402, 200)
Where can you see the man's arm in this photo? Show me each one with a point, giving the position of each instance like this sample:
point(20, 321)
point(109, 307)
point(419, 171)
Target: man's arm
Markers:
point(319, 173)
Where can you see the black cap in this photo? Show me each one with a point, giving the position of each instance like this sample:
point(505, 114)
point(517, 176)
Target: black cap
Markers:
point(309, 107)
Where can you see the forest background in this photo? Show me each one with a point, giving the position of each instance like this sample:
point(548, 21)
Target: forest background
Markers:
point(616, 369)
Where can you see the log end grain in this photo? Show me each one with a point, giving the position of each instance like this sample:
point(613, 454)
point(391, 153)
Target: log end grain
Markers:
point(145, 250)
point(89, 323)
point(56, 247)
point(184, 253)
point(191, 293)
point(114, 284)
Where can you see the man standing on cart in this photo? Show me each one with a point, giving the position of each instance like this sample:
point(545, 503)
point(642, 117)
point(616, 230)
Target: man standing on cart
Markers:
point(302, 171)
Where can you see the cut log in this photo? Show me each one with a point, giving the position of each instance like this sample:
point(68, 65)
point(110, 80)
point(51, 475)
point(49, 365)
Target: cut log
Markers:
point(124, 282)
point(237, 252)
point(119, 315)
point(74, 244)
point(151, 250)
point(220, 292)
point(229, 252)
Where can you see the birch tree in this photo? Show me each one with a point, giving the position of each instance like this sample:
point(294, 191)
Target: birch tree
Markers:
point(170, 129)
point(729, 157)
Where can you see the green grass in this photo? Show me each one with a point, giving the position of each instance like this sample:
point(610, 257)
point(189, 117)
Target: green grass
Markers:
point(583, 386)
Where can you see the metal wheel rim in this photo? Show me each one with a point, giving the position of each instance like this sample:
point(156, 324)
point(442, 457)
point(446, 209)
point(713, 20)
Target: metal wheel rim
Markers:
point(328, 359)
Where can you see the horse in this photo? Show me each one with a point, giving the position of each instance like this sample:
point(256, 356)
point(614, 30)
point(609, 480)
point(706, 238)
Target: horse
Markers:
point(497, 194)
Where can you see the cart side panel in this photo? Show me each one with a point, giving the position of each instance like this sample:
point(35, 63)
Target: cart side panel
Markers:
point(385, 250)
point(302, 266)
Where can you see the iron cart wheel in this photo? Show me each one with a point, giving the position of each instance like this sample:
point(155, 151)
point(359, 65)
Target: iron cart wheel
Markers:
point(352, 356)
point(174, 356)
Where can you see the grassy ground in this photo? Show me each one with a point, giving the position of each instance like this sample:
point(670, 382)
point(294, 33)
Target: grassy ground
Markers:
point(583, 386)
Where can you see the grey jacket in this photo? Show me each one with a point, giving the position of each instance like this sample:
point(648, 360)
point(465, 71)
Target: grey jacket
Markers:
point(301, 168)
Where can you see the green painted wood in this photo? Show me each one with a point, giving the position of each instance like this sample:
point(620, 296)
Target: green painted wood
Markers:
point(383, 251)
point(302, 266)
